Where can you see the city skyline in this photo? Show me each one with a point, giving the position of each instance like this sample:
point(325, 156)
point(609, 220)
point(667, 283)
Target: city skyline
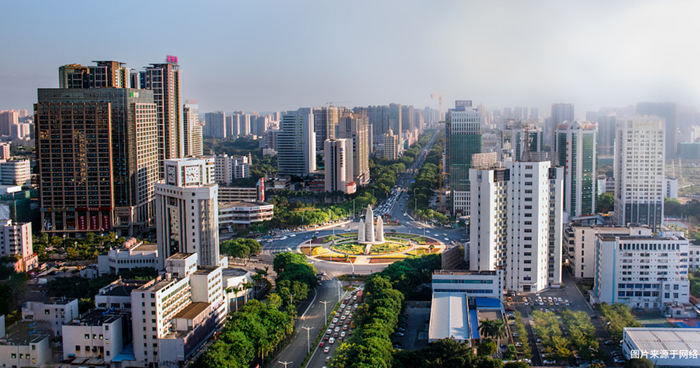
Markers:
point(529, 54)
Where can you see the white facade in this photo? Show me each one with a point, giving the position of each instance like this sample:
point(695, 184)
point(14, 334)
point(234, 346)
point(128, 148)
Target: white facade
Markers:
point(20, 346)
point(336, 164)
point(229, 168)
point(391, 148)
point(671, 188)
point(15, 172)
point(534, 226)
point(297, 143)
point(16, 239)
point(639, 170)
point(187, 210)
point(489, 221)
point(693, 257)
point(354, 128)
point(244, 213)
point(477, 284)
point(55, 311)
point(98, 334)
point(580, 245)
point(192, 138)
point(141, 255)
point(665, 347)
point(649, 272)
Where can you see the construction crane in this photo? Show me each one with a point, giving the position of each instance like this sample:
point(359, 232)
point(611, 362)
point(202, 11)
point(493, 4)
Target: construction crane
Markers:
point(445, 149)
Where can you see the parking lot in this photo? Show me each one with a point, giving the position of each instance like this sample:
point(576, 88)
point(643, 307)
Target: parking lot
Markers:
point(416, 334)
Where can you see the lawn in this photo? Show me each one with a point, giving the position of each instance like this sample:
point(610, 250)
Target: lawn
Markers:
point(385, 259)
point(407, 236)
point(422, 251)
point(388, 247)
point(348, 235)
point(350, 248)
point(340, 259)
point(422, 240)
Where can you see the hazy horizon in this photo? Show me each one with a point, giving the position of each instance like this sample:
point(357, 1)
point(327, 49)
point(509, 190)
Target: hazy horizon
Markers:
point(273, 56)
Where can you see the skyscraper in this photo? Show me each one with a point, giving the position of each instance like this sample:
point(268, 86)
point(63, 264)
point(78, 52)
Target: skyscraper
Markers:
point(8, 118)
point(407, 122)
point(215, 122)
point(97, 159)
point(534, 113)
point(164, 80)
point(106, 74)
point(668, 111)
point(354, 127)
point(395, 119)
point(296, 143)
point(561, 112)
point(190, 115)
point(325, 119)
point(606, 134)
point(576, 151)
point(336, 165)
point(187, 210)
point(514, 133)
point(639, 170)
point(464, 129)
point(390, 143)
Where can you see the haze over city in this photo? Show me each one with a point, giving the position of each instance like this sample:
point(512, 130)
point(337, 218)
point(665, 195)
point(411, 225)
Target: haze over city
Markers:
point(275, 55)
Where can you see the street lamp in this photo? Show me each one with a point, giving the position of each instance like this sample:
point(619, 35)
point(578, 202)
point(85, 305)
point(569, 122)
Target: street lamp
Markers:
point(308, 341)
point(285, 363)
point(325, 312)
point(415, 202)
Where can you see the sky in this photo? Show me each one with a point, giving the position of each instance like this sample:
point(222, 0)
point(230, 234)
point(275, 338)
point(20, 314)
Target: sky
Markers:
point(280, 55)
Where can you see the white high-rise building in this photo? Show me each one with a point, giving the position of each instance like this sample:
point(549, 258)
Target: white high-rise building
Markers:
point(297, 144)
point(336, 165)
point(355, 128)
point(16, 240)
point(639, 171)
point(575, 146)
point(229, 168)
point(534, 226)
point(187, 211)
point(489, 198)
point(192, 138)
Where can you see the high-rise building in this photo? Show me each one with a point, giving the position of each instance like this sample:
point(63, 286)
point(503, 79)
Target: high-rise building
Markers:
point(378, 118)
point(639, 170)
point(21, 131)
point(561, 112)
point(514, 134)
point(606, 134)
point(534, 114)
point(15, 172)
point(576, 151)
point(391, 145)
point(325, 120)
point(164, 80)
point(668, 111)
point(188, 198)
point(336, 164)
point(106, 74)
point(260, 125)
point(192, 130)
point(464, 128)
point(355, 128)
point(296, 143)
point(419, 120)
point(229, 168)
point(215, 122)
point(16, 240)
point(97, 152)
point(8, 118)
point(22, 113)
point(407, 122)
point(535, 221)
point(395, 118)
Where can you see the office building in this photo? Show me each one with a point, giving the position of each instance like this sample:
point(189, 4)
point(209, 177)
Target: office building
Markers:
point(8, 118)
point(513, 138)
point(239, 194)
point(475, 284)
point(534, 226)
point(15, 172)
point(296, 143)
point(21, 131)
point(325, 120)
point(580, 245)
point(561, 112)
point(534, 114)
point(105, 140)
point(56, 312)
point(354, 128)
point(337, 165)
point(106, 74)
point(192, 137)
point(391, 147)
point(182, 307)
point(131, 255)
point(269, 139)
point(215, 124)
point(187, 210)
point(575, 147)
point(464, 129)
point(378, 118)
point(244, 213)
point(639, 171)
point(606, 135)
point(648, 272)
point(164, 80)
point(669, 112)
point(489, 199)
point(98, 334)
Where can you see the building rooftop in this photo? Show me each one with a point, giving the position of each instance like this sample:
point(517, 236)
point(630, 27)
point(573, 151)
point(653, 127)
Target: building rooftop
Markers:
point(26, 332)
point(193, 310)
point(143, 247)
point(463, 272)
point(205, 270)
point(180, 256)
point(122, 287)
point(243, 204)
point(98, 317)
point(233, 272)
point(608, 237)
point(449, 316)
point(663, 338)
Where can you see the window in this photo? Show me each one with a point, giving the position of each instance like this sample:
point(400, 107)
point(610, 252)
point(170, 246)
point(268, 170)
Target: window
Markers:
point(87, 336)
point(106, 328)
point(46, 311)
point(77, 347)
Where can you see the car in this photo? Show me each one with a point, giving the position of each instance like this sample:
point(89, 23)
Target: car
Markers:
point(331, 340)
point(345, 328)
point(321, 344)
point(515, 334)
point(342, 318)
point(329, 331)
point(335, 320)
point(447, 239)
point(609, 342)
point(549, 362)
point(399, 334)
point(619, 360)
point(337, 329)
point(335, 335)
point(327, 349)
point(328, 358)
point(342, 334)
point(325, 338)
point(400, 329)
point(518, 344)
point(331, 326)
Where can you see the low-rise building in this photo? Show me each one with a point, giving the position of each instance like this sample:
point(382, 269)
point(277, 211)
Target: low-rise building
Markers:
point(449, 317)
point(138, 255)
point(99, 334)
point(25, 344)
point(475, 284)
point(234, 280)
point(54, 311)
point(117, 295)
point(237, 194)
point(665, 347)
point(645, 272)
point(580, 245)
point(233, 214)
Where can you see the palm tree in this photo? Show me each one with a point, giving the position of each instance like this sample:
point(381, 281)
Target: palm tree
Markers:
point(256, 279)
point(493, 328)
point(246, 286)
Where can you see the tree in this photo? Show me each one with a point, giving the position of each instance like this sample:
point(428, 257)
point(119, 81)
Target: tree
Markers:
point(605, 203)
point(493, 328)
point(516, 365)
point(232, 350)
point(511, 353)
point(486, 347)
point(274, 300)
point(639, 363)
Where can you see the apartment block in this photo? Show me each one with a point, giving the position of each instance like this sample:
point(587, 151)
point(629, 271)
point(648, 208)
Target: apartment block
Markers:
point(99, 334)
point(56, 312)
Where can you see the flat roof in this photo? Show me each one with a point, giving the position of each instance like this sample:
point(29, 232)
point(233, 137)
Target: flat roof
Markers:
point(205, 270)
point(489, 303)
point(143, 247)
point(638, 237)
point(664, 338)
point(97, 317)
point(193, 310)
point(124, 288)
point(449, 316)
point(180, 256)
point(25, 332)
point(233, 272)
point(243, 204)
